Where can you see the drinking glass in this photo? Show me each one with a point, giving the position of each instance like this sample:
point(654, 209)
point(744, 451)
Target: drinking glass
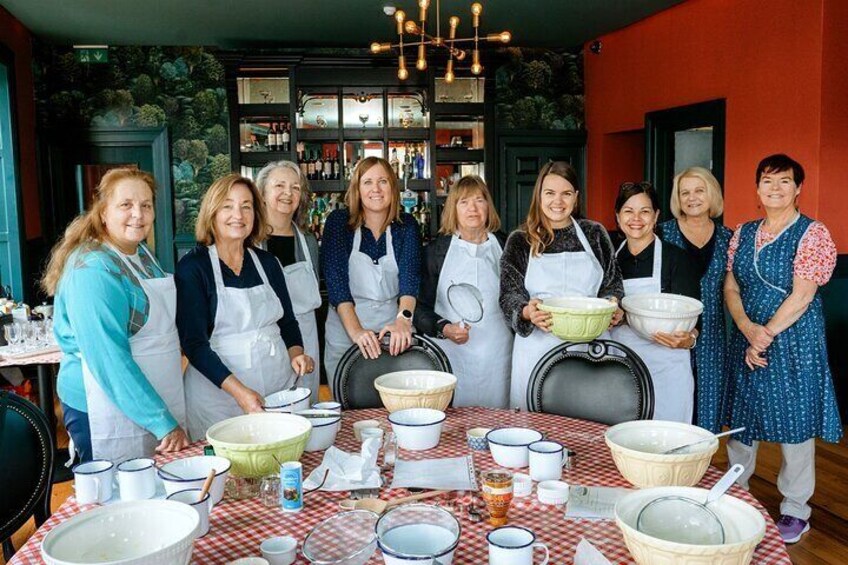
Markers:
point(12, 333)
point(269, 491)
point(497, 492)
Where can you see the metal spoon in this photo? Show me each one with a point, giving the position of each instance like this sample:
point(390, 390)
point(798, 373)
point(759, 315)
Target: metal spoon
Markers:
point(688, 445)
point(170, 474)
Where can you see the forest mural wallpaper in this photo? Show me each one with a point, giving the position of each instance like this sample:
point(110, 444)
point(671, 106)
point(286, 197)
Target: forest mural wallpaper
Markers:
point(179, 87)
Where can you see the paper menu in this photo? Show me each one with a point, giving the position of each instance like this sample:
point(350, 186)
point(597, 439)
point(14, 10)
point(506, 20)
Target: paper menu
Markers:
point(593, 502)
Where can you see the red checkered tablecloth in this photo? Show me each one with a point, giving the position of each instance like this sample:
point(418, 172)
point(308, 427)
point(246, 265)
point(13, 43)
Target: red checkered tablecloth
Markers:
point(238, 527)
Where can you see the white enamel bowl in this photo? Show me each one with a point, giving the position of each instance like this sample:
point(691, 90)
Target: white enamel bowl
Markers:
point(418, 534)
point(417, 429)
point(648, 314)
point(637, 448)
point(510, 446)
point(141, 532)
point(415, 389)
point(324, 429)
point(194, 471)
point(744, 528)
point(288, 400)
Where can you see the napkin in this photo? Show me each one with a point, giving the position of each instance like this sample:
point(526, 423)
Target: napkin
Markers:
point(453, 473)
point(347, 471)
point(588, 554)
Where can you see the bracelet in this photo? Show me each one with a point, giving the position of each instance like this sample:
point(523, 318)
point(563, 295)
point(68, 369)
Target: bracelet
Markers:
point(694, 340)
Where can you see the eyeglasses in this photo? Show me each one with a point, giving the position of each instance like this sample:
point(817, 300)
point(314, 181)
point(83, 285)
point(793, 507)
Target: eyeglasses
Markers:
point(643, 185)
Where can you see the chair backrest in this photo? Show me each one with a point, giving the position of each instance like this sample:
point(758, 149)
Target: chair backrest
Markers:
point(355, 375)
point(603, 381)
point(26, 453)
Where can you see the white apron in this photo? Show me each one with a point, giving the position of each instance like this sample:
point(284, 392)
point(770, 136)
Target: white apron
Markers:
point(482, 364)
point(247, 339)
point(302, 284)
point(671, 369)
point(156, 350)
point(375, 288)
point(551, 275)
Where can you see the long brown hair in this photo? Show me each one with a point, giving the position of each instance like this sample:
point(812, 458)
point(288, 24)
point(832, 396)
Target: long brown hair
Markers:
point(353, 198)
point(87, 229)
point(213, 201)
point(467, 186)
point(537, 228)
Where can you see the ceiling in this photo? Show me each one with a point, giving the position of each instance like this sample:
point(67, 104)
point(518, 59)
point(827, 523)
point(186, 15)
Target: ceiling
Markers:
point(231, 24)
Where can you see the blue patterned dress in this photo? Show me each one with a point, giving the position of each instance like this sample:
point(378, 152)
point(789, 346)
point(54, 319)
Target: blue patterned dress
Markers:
point(792, 399)
point(709, 361)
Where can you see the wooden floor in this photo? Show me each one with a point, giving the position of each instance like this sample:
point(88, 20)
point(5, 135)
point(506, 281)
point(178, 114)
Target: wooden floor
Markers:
point(825, 543)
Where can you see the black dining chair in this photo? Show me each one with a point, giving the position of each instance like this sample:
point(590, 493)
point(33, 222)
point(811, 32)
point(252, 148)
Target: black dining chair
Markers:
point(603, 381)
point(26, 452)
point(355, 375)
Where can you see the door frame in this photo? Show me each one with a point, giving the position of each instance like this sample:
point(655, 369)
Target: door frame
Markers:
point(659, 143)
point(14, 202)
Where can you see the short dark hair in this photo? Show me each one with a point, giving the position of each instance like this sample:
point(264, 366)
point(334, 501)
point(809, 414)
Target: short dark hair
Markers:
point(778, 163)
point(630, 189)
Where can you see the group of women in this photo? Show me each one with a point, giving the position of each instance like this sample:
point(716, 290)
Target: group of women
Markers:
point(241, 306)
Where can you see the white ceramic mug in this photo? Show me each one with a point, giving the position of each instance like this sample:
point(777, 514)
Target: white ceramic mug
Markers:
point(281, 550)
point(203, 506)
point(137, 479)
point(93, 481)
point(547, 458)
point(512, 545)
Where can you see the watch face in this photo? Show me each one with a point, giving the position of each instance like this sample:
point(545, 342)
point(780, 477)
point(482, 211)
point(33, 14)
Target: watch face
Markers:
point(407, 314)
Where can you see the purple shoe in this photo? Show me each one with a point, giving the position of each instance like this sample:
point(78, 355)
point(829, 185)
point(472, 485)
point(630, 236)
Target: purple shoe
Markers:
point(791, 529)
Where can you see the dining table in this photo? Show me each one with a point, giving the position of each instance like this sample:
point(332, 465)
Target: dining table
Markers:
point(237, 527)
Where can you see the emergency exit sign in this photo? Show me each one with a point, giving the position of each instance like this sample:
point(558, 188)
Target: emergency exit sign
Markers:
point(92, 53)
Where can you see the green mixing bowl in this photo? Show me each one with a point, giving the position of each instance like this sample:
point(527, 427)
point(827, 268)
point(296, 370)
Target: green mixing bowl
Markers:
point(577, 318)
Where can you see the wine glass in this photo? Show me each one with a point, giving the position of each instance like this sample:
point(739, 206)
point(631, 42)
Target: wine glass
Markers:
point(12, 333)
point(364, 119)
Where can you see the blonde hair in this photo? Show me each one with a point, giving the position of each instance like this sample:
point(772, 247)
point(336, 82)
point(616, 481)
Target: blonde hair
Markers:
point(713, 191)
point(87, 230)
point(537, 226)
point(467, 186)
point(213, 201)
point(302, 213)
point(353, 198)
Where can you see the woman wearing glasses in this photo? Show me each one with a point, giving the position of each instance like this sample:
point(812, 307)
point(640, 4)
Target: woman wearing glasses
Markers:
point(648, 266)
point(552, 254)
point(287, 197)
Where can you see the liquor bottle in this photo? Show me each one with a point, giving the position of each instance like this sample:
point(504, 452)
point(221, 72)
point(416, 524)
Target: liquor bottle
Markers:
point(348, 168)
point(276, 137)
point(337, 173)
point(319, 166)
point(310, 166)
point(286, 139)
point(407, 162)
point(419, 162)
point(328, 167)
point(395, 162)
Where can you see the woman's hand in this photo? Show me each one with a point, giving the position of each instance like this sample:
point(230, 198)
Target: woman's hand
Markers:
point(176, 440)
point(532, 314)
point(456, 333)
point(368, 343)
point(302, 364)
point(248, 399)
point(755, 359)
point(676, 340)
point(400, 337)
point(617, 317)
point(760, 337)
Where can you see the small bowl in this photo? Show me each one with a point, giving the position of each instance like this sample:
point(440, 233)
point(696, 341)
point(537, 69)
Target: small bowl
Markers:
point(361, 425)
point(288, 400)
point(509, 446)
point(324, 429)
point(417, 429)
point(329, 405)
point(522, 485)
point(477, 438)
point(193, 472)
point(552, 492)
point(280, 550)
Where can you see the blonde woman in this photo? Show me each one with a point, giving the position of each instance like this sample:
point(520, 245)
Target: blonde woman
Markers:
point(371, 263)
point(695, 203)
point(234, 315)
point(120, 380)
point(468, 251)
point(287, 198)
point(553, 254)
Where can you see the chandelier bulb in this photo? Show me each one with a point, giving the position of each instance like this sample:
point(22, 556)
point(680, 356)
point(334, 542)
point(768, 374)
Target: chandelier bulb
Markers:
point(476, 8)
point(403, 74)
point(400, 15)
point(411, 27)
point(449, 77)
point(424, 4)
point(421, 63)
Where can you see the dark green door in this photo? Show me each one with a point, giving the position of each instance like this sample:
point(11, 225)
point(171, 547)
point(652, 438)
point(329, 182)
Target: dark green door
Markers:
point(521, 158)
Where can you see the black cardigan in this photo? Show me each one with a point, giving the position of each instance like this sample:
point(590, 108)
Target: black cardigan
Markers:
point(426, 319)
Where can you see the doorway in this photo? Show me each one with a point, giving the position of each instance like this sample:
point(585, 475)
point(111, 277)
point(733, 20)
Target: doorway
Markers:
point(11, 266)
point(677, 138)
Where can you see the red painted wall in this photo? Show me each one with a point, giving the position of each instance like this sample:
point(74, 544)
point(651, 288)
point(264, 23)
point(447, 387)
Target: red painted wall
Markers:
point(18, 39)
point(780, 64)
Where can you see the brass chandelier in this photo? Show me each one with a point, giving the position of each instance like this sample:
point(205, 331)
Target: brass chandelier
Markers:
point(423, 39)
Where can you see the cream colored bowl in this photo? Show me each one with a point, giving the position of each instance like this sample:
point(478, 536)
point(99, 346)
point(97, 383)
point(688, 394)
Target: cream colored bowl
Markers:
point(744, 528)
point(648, 314)
point(637, 448)
point(577, 318)
point(254, 443)
point(415, 389)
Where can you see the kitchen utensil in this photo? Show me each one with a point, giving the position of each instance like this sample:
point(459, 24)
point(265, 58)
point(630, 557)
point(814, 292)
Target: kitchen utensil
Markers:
point(207, 484)
point(202, 504)
point(467, 302)
point(417, 429)
point(681, 519)
point(547, 458)
point(346, 538)
point(192, 471)
point(137, 479)
point(714, 436)
point(509, 446)
point(577, 318)
point(93, 481)
point(512, 545)
point(416, 534)
point(280, 550)
point(415, 389)
point(169, 474)
point(379, 505)
point(650, 313)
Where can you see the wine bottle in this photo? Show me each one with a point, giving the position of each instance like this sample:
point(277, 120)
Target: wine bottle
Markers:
point(286, 138)
point(319, 166)
point(395, 162)
point(310, 166)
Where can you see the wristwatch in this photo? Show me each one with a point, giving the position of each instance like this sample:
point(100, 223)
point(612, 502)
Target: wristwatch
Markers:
point(440, 328)
point(405, 314)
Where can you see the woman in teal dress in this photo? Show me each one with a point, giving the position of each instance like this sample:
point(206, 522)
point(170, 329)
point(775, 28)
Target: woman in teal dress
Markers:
point(782, 389)
point(695, 201)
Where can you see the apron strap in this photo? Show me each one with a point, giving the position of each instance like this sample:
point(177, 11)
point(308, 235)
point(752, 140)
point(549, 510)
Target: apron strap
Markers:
point(216, 267)
point(258, 265)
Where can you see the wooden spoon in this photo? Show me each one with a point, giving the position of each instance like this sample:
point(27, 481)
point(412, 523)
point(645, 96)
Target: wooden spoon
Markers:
point(379, 506)
point(207, 484)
